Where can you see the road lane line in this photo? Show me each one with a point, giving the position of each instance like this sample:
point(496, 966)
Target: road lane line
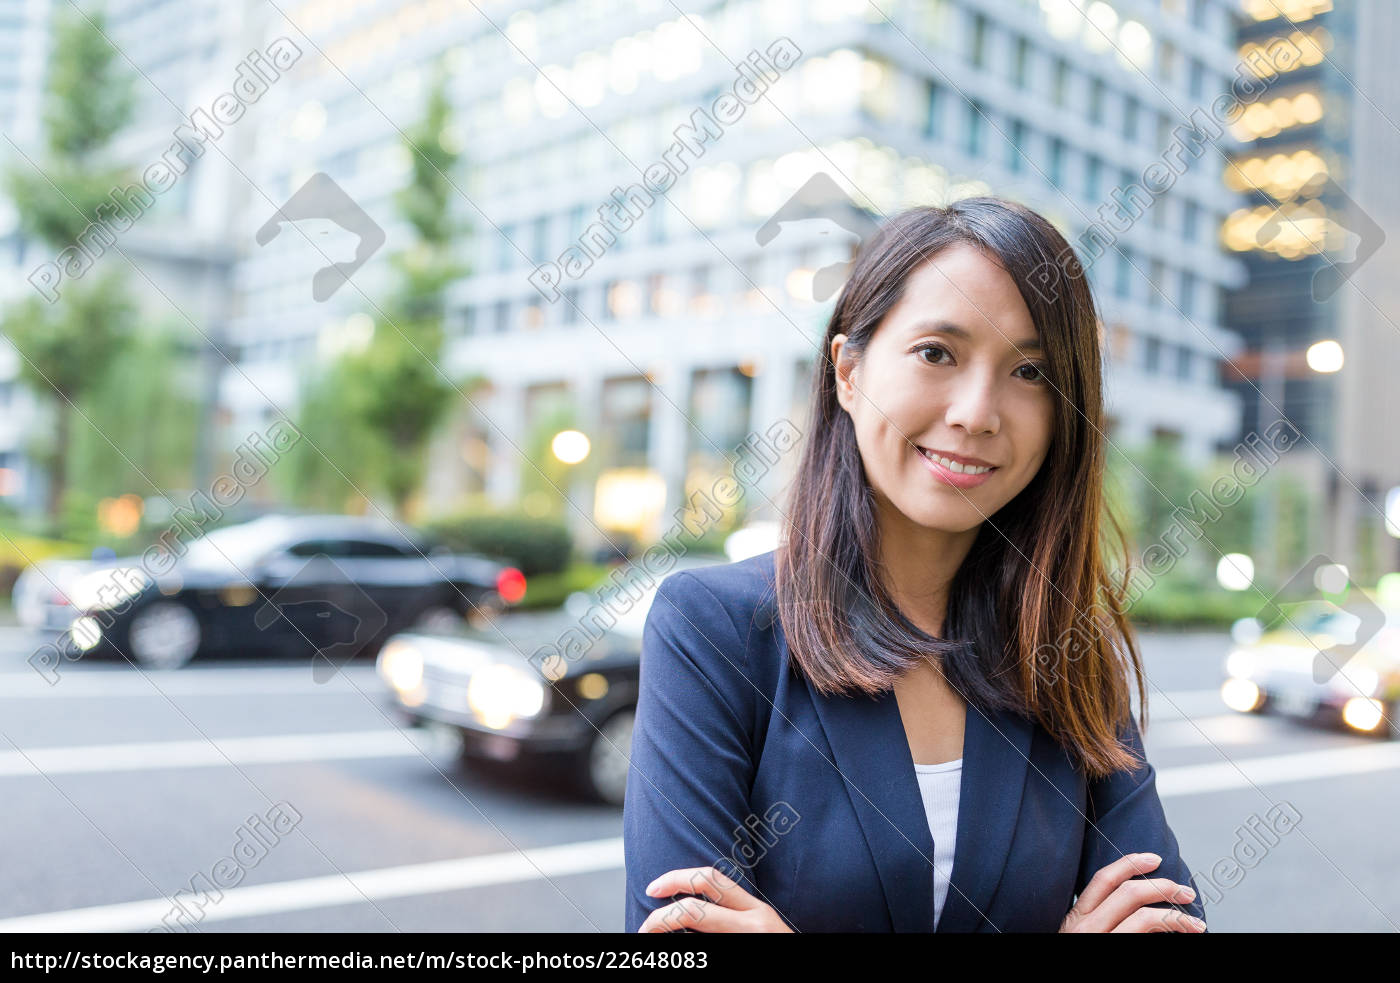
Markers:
point(107, 683)
point(351, 888)
point(1276, 769)
point(214, 752)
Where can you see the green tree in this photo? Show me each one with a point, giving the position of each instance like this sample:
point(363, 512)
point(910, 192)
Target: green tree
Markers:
point(390, 396)
point(67, 346)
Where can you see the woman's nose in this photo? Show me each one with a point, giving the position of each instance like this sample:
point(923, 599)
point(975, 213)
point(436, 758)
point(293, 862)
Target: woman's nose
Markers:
point(973, 404)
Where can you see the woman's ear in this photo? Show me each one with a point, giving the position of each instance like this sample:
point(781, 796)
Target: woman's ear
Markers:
point(845, 367)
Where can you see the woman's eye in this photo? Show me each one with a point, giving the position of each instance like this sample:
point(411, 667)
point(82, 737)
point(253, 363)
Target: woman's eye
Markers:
point(1039, 373)
point(932, 348)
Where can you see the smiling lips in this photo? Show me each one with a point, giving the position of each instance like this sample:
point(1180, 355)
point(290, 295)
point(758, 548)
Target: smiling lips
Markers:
point(953, 472)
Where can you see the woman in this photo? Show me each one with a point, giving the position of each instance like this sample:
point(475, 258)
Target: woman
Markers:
point(775, 785)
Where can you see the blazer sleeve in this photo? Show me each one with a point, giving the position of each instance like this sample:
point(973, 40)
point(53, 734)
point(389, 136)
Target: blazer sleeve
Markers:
point(1126, 816)
point(691, 758)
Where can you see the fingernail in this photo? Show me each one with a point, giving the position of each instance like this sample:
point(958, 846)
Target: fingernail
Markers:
point(1149, 858)
point(1198, 923)
point(1186, 894)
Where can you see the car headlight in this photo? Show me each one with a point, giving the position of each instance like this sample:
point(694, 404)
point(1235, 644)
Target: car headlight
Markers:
point(500, 693)
point(401, 666)
point(1240, 664)
point(102, 590)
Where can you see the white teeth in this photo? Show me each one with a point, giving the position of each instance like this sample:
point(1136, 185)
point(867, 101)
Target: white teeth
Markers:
point(955, 467)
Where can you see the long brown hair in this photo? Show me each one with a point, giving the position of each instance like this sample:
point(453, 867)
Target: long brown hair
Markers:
point(1035, 623)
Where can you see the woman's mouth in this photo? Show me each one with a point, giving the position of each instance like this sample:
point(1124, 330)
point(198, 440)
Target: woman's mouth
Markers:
point(942, 469)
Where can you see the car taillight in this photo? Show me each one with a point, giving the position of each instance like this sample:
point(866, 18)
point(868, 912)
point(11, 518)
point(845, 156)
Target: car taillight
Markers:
point(510, 584)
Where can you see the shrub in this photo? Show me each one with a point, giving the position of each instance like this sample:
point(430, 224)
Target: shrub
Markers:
point(535, 546)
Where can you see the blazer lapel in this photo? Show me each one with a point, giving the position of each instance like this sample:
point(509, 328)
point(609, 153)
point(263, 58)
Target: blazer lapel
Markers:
point(871, 751)
point(996, 758)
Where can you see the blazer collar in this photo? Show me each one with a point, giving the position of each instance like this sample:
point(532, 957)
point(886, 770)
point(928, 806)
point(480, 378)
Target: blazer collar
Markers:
point(870, 749)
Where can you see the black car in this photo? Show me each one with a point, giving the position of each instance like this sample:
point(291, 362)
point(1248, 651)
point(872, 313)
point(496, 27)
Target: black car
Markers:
point(330, 588)
point(552, 692)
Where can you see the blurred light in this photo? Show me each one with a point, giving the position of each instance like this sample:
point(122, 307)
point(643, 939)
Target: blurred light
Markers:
point(85, 633)
point(753, 539)
point(1240, 664)
point(120, 516)
point(593, 686)
point(1235, 571)
point(1325, 356)
point(499, 694)
point(1240, 695)
point(1293, 10)
point(1102, 22)
point(1331, 578)
point(401, 666)
point(1392, 526)
point(510, 584)
point(628, 499)
point(625, 299)
point(1134, 44)
point(750, 367)
point(1363, 713)
point(570, 446)
point(1246, 631)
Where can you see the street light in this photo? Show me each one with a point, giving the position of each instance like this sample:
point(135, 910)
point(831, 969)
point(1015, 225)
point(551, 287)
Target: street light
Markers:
point(570, 446)
point(1325, 356)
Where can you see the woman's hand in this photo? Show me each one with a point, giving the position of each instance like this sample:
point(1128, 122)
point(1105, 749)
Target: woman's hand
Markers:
point(729, 907)
point(1113, 902)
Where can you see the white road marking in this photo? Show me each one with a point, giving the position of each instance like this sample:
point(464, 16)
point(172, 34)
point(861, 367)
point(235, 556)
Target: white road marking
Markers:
point(1275, 769)
point(1214, 731)
point(216, 752)
point(323, 892)
point(128, 681)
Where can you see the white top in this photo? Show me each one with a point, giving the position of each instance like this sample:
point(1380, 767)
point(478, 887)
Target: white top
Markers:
point(939, 787)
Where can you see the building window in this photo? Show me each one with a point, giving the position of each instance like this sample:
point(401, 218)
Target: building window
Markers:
point(1155, 278)
point(1184, 360)
point(975, 123)
point(1060, 84)
point(1198, 80)
point(1096, 97)
point(1123, 282)
point(1057, 162)
point(1190, 220)
point(505, 254)
point(979, 41)
point(1093, 177)
point(1188, 293)
point(541, 239)
point(1130, 119)
point(933, 124)
point(1021, 69)
point(1151, 355)
point(502, 318)
point(571, 305)
point(1015, 148)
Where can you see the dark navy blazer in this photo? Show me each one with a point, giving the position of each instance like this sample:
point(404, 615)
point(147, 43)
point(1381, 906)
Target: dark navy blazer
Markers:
point(812, 804)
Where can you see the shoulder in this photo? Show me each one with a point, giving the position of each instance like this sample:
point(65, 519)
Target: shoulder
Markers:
point(732, 601)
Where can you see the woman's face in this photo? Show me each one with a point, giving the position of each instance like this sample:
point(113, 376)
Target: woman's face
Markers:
point(955, 367)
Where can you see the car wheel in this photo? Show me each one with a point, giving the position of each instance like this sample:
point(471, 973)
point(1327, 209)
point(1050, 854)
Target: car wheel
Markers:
point(439, 619)
point(164, 635)
point(608, 757)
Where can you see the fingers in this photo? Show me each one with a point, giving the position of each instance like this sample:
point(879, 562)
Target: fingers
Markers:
point(1160, 920)
point(713, 884)
point(1106, 880)
point(694, 914)
point(1133, 895)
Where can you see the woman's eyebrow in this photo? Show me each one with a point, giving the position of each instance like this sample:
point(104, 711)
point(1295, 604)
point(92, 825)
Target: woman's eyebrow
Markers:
point(948, 327)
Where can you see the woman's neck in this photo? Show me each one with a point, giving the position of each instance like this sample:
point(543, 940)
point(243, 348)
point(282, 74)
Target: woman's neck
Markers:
point(917, 566)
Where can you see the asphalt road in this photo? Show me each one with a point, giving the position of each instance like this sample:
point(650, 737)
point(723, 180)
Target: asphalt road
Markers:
point(119, 788)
